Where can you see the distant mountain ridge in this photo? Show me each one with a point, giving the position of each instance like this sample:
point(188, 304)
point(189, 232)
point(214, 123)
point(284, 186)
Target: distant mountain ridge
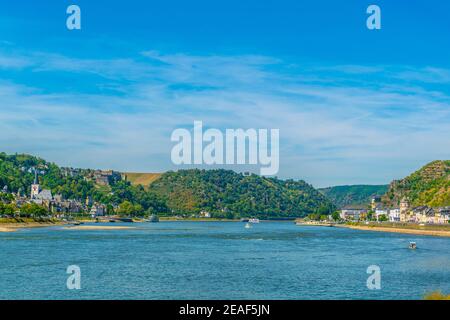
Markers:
point(430, 185)
point(353, 195)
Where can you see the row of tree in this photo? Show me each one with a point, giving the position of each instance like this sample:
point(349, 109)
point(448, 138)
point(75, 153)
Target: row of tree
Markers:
point(26, 210)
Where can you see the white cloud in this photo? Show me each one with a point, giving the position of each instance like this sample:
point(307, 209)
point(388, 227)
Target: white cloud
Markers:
point(332, 132)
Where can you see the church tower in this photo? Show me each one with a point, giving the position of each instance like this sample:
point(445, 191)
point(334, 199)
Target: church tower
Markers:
point(404, 209)
point(35, 187)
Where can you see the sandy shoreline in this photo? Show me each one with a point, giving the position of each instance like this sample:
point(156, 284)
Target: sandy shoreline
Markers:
point(435, 233)
point(12, 227)
point(98, 228)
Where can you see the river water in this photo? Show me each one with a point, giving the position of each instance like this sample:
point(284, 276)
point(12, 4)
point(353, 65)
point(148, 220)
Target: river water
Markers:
point(220, 260)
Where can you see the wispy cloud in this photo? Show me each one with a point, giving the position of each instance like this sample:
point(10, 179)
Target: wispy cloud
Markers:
point(338, 124)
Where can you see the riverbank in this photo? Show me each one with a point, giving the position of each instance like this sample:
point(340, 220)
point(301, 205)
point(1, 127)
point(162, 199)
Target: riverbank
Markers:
point(426, 230)
point(198, 219)
point(12, 225)
point(300, 222)
point(98, 228)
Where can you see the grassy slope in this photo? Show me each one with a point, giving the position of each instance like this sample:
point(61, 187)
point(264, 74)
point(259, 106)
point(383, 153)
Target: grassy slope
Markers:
point(144, 179)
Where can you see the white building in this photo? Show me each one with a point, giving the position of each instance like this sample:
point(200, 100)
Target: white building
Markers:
point(98, 210)
point(205, 214)
point(444, 215)
point(394, 215)
point(352, 214)
point(381, 212)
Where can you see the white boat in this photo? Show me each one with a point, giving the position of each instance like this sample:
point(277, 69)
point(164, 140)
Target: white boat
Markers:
point(253, 220)
point(247, 226)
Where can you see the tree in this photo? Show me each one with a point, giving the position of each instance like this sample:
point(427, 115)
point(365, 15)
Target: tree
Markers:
point(229, 215)
point(336, 216)
point(7, 209)
point(126, 208)
point(138, 210)
point(33, 209)
point(6, 197)
point(109, 209)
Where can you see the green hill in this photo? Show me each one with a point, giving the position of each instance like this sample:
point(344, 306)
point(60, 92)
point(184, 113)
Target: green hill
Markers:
point(221, 192)
point(430, 186)
point(17, 173)
point(227, 193)
point(356, 195)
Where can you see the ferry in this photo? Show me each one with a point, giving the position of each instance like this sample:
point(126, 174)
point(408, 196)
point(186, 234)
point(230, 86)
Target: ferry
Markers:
point(412, 245)
point(253, 220)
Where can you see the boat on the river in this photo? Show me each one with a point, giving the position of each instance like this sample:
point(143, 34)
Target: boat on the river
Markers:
point(412, 245)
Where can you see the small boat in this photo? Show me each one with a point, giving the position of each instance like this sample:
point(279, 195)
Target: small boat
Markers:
point(253, 220)
point(153, 218)
point(247, 226)
point(76, 223)
point(412, 245)
point(112, 220)
point(244, 220)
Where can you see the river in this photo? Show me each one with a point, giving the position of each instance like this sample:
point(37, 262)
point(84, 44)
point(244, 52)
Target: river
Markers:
point(220, 260)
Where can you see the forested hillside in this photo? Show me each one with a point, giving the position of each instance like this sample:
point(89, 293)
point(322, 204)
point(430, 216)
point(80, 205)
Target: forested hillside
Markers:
point(356, 195)
point(227, 193)
point(223, 193)
point(429, 185)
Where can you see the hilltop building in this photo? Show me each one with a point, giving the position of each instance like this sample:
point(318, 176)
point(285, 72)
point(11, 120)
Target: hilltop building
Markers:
point(106, 177)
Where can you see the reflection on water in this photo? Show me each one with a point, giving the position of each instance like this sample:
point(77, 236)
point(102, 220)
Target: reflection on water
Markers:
point(214, 260)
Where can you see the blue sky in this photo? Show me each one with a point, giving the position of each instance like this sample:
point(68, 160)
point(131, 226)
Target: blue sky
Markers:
point(352, 105)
